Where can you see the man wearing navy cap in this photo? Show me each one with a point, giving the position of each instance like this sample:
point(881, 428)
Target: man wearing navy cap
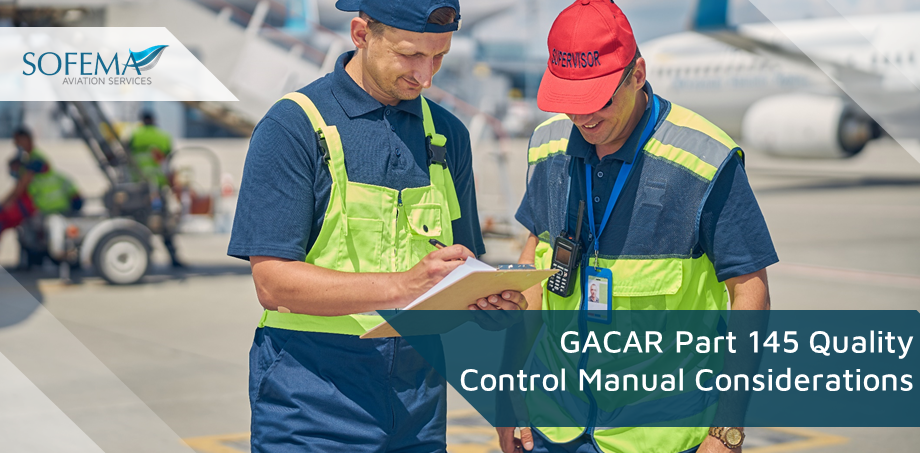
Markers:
point(671, 224)
point(345, 183)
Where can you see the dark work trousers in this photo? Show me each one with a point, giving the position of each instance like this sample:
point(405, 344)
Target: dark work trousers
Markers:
point(320, 392)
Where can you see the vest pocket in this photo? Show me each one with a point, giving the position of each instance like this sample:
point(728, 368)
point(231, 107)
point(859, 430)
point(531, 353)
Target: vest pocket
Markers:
point(424, 223)
point(425, 220)
point(645, 284)
point(364, 241)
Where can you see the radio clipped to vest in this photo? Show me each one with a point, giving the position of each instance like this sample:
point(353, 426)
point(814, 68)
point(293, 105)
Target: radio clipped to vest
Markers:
point(566, 256)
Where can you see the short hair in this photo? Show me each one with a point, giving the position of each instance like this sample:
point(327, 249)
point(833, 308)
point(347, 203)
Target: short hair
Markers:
point(22, 131)
point(147, 115)
point(442, 16)
point(631, 66)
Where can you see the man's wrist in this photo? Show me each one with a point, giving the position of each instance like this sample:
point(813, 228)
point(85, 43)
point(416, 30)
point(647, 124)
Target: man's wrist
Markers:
point(397, 289)
point(731, 437)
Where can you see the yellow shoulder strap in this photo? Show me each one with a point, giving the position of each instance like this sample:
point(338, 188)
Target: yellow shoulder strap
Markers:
point(440, 175)
point(330, 136)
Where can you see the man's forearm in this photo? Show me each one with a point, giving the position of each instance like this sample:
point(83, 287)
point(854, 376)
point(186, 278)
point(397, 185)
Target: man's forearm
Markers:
point(748, 292)
point(308, 289)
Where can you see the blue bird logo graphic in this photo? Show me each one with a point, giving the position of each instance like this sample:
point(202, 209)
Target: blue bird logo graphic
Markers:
point(147, 58)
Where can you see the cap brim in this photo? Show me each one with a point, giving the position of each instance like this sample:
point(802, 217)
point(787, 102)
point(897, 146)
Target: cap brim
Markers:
point(348, 5)
point(576, 97)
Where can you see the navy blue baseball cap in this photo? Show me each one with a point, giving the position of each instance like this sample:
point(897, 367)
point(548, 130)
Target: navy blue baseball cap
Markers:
point(409, 15)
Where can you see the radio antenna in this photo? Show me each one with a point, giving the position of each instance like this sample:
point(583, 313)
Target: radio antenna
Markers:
point(581, 216)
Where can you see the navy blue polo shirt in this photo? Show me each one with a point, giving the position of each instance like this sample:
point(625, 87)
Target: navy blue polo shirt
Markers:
point(286, 183)
point(733, 232)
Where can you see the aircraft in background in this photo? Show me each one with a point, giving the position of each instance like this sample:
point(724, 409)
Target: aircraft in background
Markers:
point(758, 86)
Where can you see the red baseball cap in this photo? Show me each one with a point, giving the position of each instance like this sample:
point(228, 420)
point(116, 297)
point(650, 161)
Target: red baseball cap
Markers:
point(590, 46)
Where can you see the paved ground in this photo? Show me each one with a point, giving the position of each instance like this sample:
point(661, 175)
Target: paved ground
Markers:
point(139, 368)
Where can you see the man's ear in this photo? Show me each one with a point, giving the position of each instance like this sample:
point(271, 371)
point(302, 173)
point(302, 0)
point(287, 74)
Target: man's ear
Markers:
point(359, 32)
point(639, 74)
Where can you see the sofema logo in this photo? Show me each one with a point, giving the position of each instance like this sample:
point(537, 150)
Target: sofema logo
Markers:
point(147, 58)
point(95, 71)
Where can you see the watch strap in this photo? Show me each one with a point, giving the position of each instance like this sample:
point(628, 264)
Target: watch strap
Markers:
point(721, 434)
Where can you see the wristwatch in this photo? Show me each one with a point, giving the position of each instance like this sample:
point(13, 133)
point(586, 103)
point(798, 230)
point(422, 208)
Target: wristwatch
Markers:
point(730, 437)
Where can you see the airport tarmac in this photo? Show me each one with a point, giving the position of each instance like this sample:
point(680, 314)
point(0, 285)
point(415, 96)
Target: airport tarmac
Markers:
point(138, 368)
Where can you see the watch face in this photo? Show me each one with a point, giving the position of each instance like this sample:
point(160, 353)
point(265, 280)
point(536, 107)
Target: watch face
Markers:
point(733, 437)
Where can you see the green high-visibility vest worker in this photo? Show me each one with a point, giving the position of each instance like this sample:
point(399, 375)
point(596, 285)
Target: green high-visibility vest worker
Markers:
point(38, 189)
point(345, 183)
point(671, 224)
point(51, 192)
point(150, 146)
point(359, 238)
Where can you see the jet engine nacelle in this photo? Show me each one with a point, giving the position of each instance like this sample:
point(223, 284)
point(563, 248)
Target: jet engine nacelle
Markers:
point(807, 126)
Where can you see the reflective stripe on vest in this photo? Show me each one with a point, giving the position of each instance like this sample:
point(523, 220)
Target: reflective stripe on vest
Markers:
point(369, 228)
point(686, 151)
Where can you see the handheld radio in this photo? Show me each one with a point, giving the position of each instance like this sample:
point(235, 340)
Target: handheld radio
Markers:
point(566, 256)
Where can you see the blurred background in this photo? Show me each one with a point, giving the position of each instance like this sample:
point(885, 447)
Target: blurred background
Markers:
point(822, 95)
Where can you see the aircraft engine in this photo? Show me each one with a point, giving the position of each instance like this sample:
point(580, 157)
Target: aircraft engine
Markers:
point(807, 126)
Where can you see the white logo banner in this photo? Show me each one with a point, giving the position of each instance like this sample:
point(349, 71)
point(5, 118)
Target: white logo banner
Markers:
point(102, 64)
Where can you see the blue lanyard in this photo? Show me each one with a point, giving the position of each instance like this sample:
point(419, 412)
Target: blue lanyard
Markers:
point(622, 176)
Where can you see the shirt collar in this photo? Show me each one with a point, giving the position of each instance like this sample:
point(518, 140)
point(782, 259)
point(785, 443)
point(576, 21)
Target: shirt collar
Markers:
point(354, 100)
point(578, 147)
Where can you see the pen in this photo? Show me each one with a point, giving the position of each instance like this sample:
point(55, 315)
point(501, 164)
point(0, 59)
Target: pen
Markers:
point(436, 243)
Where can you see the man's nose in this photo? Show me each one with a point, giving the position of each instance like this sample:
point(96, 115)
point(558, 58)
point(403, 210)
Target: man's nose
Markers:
point(580, 120)
point(424, 72)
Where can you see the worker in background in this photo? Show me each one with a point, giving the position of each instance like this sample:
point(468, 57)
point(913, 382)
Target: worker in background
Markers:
point(345, 183)
point(671, 219)
point(39, 189)
point(150, 146)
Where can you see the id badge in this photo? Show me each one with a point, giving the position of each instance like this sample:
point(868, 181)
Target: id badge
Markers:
point(599, 295)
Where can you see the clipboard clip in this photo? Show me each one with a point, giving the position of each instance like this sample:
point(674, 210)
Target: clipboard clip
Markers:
point(511, 267)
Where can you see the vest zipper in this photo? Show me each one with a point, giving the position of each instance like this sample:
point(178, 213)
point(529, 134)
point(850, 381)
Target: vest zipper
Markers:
point(399, 204)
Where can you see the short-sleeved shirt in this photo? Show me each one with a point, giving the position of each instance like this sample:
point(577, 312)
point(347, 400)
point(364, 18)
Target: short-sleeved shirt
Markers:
point(286, 183)
point(733, 231)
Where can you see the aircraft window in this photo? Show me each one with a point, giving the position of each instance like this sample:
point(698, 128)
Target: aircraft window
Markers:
point(874, 59)
point(897, 59)
point(910, 57)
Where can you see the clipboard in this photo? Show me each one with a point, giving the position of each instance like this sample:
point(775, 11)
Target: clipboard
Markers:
point(459, 294)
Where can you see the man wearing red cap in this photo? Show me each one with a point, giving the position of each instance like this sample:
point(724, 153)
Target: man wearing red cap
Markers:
point(671, 224)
